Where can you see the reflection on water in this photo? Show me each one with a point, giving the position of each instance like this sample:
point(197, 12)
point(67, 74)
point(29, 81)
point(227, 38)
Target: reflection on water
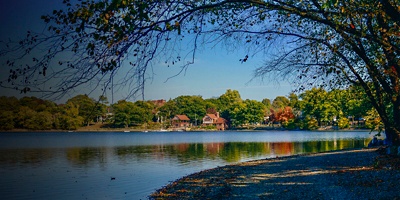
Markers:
point(183, 153)
point(111, 168)
point(232, 151)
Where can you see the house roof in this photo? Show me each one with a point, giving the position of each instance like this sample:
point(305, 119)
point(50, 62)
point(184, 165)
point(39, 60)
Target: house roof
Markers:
point(220, 121)
point(181, 117)
point(212, 116)
point(159, 102)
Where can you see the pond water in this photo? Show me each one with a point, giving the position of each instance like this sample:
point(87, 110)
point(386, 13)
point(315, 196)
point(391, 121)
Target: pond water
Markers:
point(118, 165)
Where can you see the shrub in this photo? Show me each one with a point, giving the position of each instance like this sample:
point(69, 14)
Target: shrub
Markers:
point(343, 123)
point(6, 120)
point(311, 124)
point(291, 124)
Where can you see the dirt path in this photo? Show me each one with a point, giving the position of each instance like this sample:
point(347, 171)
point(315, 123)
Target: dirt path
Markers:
point(335, 175)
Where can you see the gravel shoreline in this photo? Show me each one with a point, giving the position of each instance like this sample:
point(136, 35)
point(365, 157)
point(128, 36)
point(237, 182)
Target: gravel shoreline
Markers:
point(347, 174)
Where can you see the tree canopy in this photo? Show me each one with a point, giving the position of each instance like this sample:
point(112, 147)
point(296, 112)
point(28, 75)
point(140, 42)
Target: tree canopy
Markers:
point(328, 43)
point(309, 110)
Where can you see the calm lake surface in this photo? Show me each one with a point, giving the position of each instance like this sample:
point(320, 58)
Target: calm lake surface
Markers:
point(118, 165)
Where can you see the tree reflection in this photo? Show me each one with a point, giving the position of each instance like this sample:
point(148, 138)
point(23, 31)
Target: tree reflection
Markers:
point(232, 151)
point(182, 153)
point(87, 156)
point(22, 157)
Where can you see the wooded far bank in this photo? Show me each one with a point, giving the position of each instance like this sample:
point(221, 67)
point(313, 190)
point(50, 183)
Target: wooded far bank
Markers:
point(313, 109)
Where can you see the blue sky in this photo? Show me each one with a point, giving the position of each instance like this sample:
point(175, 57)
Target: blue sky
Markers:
point(215, 69)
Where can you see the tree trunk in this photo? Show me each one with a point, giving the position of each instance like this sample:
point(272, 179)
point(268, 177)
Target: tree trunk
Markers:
point(392, 127)
point(392, 136)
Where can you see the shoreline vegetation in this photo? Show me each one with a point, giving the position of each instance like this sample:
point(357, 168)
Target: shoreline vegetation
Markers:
point(98, 127)
point(366, 173)
point(191, 113)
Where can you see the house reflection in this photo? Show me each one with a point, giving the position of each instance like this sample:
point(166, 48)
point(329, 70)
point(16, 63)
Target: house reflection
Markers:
point(234, 151)
point(182, 153)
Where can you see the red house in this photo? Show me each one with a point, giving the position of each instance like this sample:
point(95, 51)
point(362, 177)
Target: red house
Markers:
point(180, 121)
point(214, 119)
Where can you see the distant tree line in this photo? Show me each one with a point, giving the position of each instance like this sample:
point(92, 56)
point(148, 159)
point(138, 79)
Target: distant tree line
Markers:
point(309, 110)
point(37, 114)
point(317, 108)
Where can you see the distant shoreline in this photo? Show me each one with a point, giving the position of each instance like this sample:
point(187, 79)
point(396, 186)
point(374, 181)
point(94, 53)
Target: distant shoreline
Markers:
point(89, 129)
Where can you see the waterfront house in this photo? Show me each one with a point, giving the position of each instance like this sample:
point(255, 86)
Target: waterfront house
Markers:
point(180, 121)
point(215, 119)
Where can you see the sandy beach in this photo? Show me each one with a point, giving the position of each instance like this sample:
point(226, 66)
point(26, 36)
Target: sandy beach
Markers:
point(348, 174)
